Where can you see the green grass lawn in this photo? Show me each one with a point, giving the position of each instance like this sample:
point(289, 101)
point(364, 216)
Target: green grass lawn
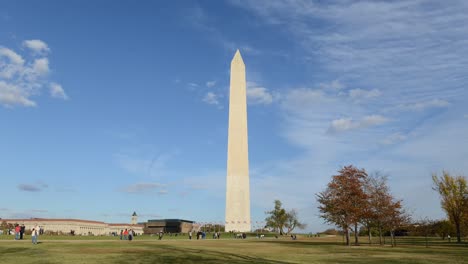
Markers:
point(147, 249)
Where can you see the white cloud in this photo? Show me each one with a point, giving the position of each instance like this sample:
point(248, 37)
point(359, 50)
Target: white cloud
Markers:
point(373, 120)
point(57, 91)
point(258, 95)
point(346, 124)
point(333, 85)
point(211, 98)
point(394, 138)
point(41, 66)
point(21, 80)
point(421, 106)
point(37, 46)
point(210, 84)
point(360, 94)
point(13, 95)
point(466, 115)
point(343, 124)
point(11, 55)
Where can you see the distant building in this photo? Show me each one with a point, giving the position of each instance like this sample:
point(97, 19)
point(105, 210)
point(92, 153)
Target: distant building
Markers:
point(76, 226)
point(170, 226)
point(134, 218)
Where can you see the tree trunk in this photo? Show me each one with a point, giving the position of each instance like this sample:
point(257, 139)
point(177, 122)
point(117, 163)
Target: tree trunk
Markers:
point(380, 234)
point(356, 235)
point(457, 226)
point(370, 235)
point(347, 236)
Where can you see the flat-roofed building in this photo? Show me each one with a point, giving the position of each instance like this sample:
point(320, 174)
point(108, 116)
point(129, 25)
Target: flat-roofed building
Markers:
point(76, 226)
point(169, 226)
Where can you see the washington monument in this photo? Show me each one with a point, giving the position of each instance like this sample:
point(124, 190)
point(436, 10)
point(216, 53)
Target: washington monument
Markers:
point(237, 180)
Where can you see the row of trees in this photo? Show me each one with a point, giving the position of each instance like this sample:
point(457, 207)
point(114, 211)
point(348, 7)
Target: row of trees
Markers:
point(355, 199)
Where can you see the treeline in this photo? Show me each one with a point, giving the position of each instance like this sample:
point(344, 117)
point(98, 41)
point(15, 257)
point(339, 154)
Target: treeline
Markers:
point(354, 200)
point(358, 203)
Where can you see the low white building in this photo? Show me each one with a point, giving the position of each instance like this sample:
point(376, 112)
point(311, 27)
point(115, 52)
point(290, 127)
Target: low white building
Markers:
point(78, 226)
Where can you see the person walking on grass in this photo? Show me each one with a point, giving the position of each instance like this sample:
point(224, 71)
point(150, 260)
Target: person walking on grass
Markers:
point(35, 234)
point(17, 231)
point(126, 234)
point(22, 229)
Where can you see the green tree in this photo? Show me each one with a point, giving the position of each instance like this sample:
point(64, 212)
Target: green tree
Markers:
point(453, 193)
point(277, 218)
point(443, 228)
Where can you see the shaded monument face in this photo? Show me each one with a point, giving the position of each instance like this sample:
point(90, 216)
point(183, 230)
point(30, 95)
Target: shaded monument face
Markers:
point(237, 180)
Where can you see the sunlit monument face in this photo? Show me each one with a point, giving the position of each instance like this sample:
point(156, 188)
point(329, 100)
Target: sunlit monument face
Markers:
point(237, 180)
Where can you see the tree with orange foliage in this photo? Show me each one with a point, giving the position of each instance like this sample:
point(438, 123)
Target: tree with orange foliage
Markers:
point(382, 211)
point(343, 201)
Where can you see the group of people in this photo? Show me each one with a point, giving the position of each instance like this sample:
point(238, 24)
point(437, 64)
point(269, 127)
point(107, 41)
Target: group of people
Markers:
point(19, 231)
point(127, 234)
point(202, 235)
point(241, 235)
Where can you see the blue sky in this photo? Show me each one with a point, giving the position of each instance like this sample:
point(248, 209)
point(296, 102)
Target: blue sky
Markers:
point(108, 108)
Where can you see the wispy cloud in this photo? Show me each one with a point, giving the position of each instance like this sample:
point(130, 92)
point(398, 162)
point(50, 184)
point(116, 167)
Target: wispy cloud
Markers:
point(346, 124)
point(257, 94)
point(201, 20)
point(211, 98)
point(57, 91)
point(210, 84)
point(408, 46)
point(34, 187)
point(359, 95)
point(143, 162)
point(142, 188)
point(394, 138)
point(421, 106)
point(21, 79)
point(333, 85)
point(39, 211)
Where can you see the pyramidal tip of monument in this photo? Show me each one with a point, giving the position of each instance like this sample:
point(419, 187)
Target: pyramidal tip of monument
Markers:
point(237, 56)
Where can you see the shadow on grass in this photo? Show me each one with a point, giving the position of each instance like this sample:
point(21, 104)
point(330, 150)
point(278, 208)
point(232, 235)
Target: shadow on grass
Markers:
point(299, 243)
point(169, 254)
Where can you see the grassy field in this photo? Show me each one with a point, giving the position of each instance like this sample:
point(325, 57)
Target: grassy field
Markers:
point(147, 249)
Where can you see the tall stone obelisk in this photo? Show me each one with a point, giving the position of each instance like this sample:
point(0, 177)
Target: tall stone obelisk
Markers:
point(237, 180)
